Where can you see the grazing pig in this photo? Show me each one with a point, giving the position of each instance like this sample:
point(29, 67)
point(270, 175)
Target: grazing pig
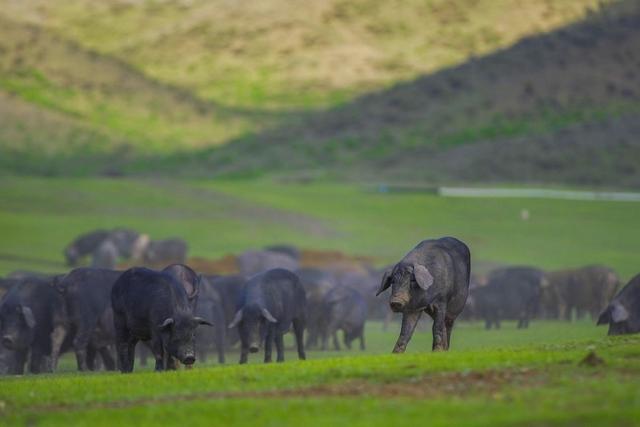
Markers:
point(623, 313)
point(254, 262)
point(587, 290)
point(272, 302)
point(84, 245)
point(346, 309)
point(211, 308)
point(153, 305)
point(317, 283)
point(125, 241)
point(30, 312)
point(230, 289)
point(165, 251)
point(434, 278)
point(510, 293)
point(87, 297)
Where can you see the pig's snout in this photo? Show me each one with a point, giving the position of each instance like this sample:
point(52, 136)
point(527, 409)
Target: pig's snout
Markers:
point(397, 305)
point(189, 360)
point(253, 348)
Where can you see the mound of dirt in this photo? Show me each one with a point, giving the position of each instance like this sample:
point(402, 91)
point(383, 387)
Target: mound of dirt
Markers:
point(334, 260)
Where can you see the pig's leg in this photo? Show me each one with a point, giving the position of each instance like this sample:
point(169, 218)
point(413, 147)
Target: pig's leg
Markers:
point(57, 338)
point(336, 344)
point(298, 330)
point(107, 358)
point(244, 349)
point(439, 330)
point(409, 322)
point(279, 345)
point(449, 325)
point(159, 354)
point(268, 341)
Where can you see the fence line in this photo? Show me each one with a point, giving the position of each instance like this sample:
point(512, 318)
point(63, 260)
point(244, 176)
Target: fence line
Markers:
point(538, 193)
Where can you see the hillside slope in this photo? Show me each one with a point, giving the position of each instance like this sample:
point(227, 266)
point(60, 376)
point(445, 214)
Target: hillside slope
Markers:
point(290, 54)
point(63, 104)
point(562, 107)
point(136, 87)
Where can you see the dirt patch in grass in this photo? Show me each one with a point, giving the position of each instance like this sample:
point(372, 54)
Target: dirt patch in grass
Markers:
point(334, 260)
point(487, 383)
point(438, 385)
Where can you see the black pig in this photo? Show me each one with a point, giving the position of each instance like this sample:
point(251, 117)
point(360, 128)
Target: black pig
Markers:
point(29, 314)
point(623, 314)
point(152, 305)
point(434, 278)
point(271, 303)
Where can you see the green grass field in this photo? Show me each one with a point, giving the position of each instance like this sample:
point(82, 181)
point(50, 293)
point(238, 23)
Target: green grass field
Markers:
point(506, 377)
point(38, 217)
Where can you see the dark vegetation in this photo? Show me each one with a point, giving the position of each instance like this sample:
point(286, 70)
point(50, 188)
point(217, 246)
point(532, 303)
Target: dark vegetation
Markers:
point(562, 107)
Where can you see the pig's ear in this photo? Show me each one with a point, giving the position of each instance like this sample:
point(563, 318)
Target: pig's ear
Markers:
point(193, 289)
point(28, 316)
point(385, 283)
point(196, 286)
point(605, 316)
point(237, 318)
point(201, 321)
point(268, 316)
point(167, 322)
point(424, 279)
point(619, 313)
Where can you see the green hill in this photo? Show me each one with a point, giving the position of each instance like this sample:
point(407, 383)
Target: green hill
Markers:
point(562, 107)
point(68, 109)
point(359, 89)
point(291, 54)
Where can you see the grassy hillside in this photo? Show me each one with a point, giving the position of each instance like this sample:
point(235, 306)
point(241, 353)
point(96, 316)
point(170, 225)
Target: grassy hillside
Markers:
point(121, 87)
point(284, 54)
point(530, 385)
point(38, 217)
point(125, 87)
point(562, 107)
point(65, 107)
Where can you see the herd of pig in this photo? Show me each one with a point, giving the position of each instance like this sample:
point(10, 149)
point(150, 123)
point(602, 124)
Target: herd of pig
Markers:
point(176, 315)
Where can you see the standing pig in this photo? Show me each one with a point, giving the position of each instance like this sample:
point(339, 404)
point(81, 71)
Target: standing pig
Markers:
point(231, 291)
point(29, 314)
point(511, 293)
point(272, 302)
point(317, 283)
point(152, 305)
point(84, 245)
point(346, 309)
point(210, 307)
point(254, 262)
point(165, 251)
point(87, 297)
point(433, 277)
point(623, 314)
